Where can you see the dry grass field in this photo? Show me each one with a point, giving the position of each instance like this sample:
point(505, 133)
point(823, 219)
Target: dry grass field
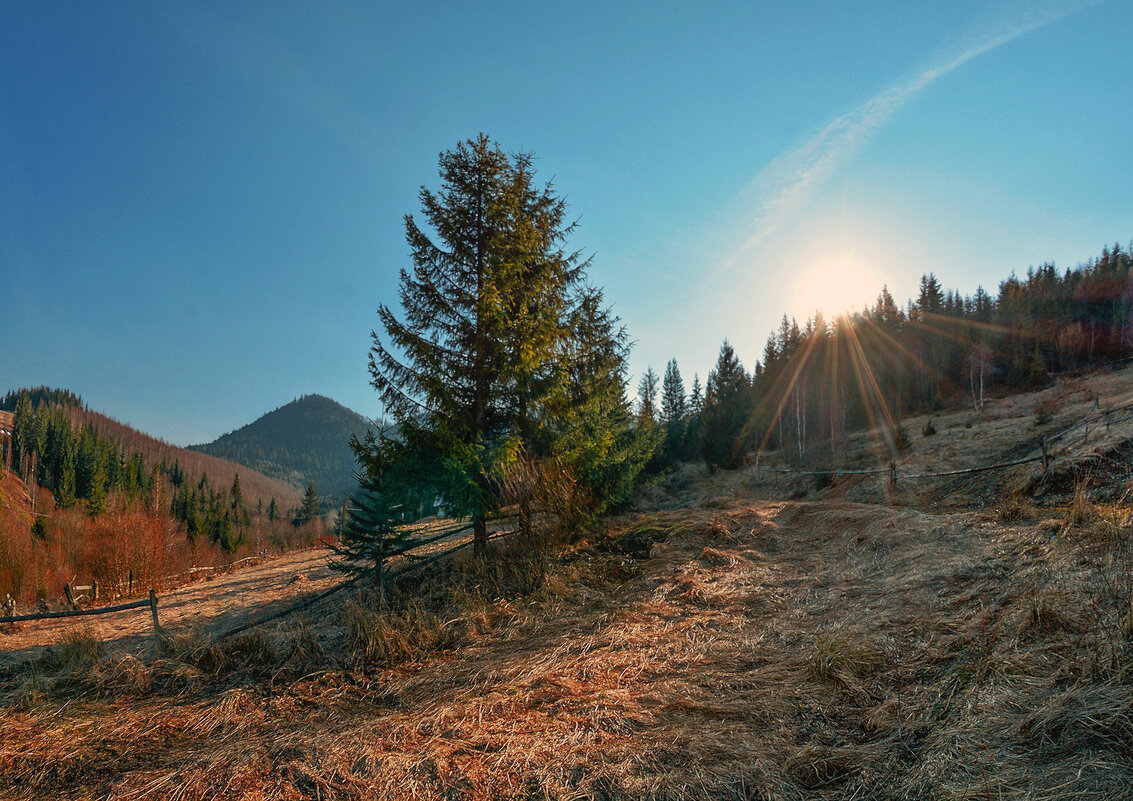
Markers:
point(736, 637)
point(209, 602)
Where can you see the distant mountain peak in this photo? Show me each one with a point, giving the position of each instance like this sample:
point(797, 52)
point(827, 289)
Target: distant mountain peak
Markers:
point(305, 440)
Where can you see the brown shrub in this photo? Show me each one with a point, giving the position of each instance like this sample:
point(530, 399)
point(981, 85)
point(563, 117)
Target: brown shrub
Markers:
point(17, 571)
point(126, 544)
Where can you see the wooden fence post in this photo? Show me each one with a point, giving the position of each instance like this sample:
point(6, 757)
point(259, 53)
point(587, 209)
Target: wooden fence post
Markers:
point(94, 590)
point(153, 609)
point(69, 593)
point(892, 474)
point(1046, 455)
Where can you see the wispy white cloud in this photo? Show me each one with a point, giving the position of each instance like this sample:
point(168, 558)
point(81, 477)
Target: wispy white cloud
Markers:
point(784, 186)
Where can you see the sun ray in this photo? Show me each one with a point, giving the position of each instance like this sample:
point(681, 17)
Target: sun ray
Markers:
point(865, 373)
point(873, 328)
point(809, 344)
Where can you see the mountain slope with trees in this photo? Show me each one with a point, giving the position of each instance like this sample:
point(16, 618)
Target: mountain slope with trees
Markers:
point(820, 380)
point(73, 451)
point(84, 496)
point(303, 442)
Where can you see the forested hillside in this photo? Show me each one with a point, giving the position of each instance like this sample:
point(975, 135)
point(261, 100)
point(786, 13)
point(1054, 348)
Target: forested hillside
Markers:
point(84, 495)
point(305, 441)
point(79, 454)
point(816, 381)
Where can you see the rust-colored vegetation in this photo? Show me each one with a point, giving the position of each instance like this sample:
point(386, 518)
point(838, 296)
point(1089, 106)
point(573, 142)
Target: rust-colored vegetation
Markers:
point(718, 643)
point(765, 650)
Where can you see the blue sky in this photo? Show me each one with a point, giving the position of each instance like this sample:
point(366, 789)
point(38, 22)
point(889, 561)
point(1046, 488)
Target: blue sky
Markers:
point(201, 203)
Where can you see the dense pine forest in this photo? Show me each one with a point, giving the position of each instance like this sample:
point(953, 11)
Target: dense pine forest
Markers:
point(817, 381)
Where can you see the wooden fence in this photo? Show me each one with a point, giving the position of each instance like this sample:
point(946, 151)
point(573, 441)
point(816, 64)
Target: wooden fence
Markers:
point(152, 600)
point(1094, 417)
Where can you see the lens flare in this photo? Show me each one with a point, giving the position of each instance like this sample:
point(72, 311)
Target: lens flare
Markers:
point(836, 285)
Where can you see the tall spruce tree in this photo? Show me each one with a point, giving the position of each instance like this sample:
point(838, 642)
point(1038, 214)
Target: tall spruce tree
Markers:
point(591, 425)
point(674, 412)
point(23, 437)
point(696, 398)
point(241, 517)
point(647, 396)
point(481, 353)
point(236, 494)
point(726, 408)
point(311, 508)
point(674, 405)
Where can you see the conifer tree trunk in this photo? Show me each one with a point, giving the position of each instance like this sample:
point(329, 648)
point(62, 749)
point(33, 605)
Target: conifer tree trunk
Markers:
point(480, 537)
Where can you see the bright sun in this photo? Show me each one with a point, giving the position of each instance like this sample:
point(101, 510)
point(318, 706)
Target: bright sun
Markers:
point(837, 285)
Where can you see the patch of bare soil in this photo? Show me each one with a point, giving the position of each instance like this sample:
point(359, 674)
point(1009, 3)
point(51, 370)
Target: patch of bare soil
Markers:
point(777, 650)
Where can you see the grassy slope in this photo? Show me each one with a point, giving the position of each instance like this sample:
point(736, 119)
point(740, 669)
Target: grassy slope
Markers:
point(743, 647)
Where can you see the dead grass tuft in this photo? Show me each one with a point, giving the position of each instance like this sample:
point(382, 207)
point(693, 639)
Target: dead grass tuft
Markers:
point(1016, 508)
point(722, 558)
point(1082, 510)
point(251, 652)
point(305, 648)
point(1084, 716)
point(815, 766)
point(1047, 612)
point(884, 717)
point(76, 653)
point(842, 660)
point(124, 674)
point(382, 638)
point(174, 677)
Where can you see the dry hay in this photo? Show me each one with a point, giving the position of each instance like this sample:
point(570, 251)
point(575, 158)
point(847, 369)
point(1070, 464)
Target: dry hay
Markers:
point(776, 651)
point(1005, 430)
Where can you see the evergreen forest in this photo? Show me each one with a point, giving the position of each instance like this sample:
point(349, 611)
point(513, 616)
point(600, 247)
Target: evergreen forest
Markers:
point(506, 372)
point(817, 381)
